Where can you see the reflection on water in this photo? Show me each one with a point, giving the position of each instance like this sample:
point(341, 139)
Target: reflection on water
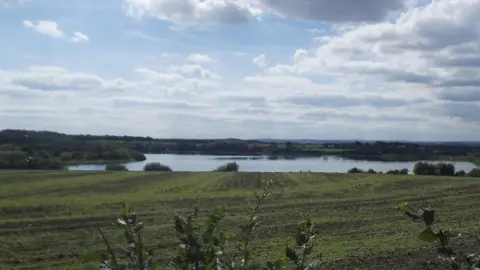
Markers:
point(264, 164)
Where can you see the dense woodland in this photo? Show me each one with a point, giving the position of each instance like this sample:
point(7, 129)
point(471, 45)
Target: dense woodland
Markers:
point(44, 149)
point(20, 149)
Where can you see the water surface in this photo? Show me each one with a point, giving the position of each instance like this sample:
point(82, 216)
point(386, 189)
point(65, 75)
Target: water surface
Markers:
point(198, 163)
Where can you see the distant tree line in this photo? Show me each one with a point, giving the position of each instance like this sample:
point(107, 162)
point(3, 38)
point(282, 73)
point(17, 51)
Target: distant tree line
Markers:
point(372, 171)
point(446, 169)
point(50, 150)
point(86, 147)
point(51, 147)
point(159, 167)
point(15, 159)
point(425, 168)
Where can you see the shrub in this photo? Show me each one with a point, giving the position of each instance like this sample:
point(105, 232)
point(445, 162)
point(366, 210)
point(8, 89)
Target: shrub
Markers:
point(205, 247)
point(460, 173)
point(393, 172)
point(372, 171)
point(156, 166)
point(66, 156)
point(137, 156)
point(446, 169)
point(23, 160)
point(474, 172)
point(355, 170)
point(49, 164)
point(443, 238)
point(398, 172)
point(116, 167)
point(425, 168)
point(229, 167)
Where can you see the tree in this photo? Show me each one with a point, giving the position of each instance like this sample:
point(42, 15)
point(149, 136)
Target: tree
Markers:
point(229, 167)
point(421, 168)
point(355, 170)
point(66, 156)
point(446, 169)
point(156, 166)
point(116, 167)
point(289, 145)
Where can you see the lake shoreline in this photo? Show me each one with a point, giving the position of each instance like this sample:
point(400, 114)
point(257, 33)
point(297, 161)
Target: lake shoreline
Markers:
point(326, 164)
point(345, 155)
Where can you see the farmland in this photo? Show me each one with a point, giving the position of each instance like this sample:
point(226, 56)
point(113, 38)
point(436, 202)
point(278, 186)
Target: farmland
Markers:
point(48, 218)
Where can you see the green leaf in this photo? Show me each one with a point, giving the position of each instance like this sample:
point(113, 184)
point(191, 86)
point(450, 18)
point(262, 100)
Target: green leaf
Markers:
point(96, 256)
point(279, 264)
point(145, 256)
point(428, 216)
point(401, 205)
point(428, 236)
point(292, 255)
point(126, 209)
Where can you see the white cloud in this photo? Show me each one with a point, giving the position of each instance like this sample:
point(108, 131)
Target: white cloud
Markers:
point(396, 71)
point(11, 3)
point(143, 36)
point(199, 58)
point(50, 78)
point(239, 11)
point(47, 28)
point(434, 47)
point(191, 12)
point(240, 54)
point(260, 60)
point(79, 37)
point(193, 96)
point(300, 55)
point(196, 71)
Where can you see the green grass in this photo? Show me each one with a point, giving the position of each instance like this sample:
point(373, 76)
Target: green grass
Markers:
point(49, 217)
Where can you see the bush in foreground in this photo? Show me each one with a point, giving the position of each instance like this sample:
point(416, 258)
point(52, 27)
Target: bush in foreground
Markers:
point(229, 167)
point(116, 167)
point(156, 166)
point(443, 238)
point(208, 246)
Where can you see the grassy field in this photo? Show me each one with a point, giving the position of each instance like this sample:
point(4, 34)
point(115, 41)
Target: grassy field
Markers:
point(48, 219)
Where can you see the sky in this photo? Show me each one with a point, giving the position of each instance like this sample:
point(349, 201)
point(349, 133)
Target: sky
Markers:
point(290, 69)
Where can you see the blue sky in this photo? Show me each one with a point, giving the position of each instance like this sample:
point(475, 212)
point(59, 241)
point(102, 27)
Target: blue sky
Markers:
point(380, 69)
